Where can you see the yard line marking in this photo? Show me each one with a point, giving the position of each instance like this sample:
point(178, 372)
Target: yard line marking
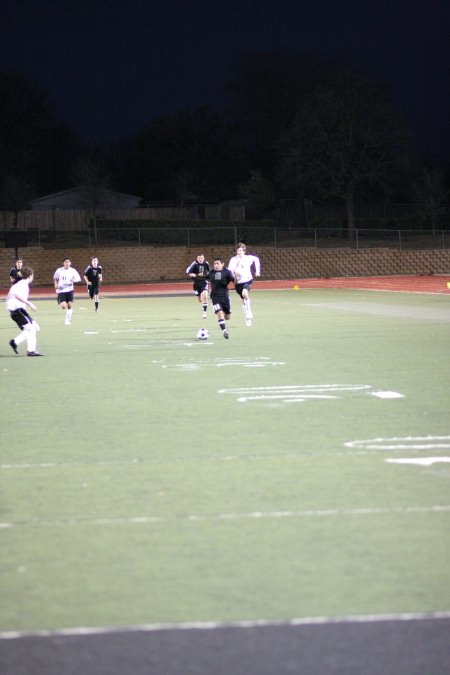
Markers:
point(299, 387)
point(387, 394)
point(250, 364)
point(365, 452)
point(214, 625)
point(293, 398)
point(402, 443)
point(237, 359)
point(252, 515)
point(161, 342)
point(421, 461)
point(292, 393)
point(256, 362)
point(130, 330)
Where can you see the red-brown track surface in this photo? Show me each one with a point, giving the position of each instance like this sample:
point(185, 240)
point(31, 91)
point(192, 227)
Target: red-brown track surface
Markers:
point(406, 284)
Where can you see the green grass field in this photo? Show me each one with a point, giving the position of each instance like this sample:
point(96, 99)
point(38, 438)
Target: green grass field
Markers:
point(150, 478)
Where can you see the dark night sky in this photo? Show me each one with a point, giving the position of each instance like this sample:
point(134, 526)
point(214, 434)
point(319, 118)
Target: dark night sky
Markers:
point(112, 66)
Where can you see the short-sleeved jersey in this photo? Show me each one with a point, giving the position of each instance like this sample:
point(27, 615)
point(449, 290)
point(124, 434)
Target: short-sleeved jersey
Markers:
point(20, 288)
point(241, 266)
point(66, 279)
point(93, 274)
point(219, 280)
point(199, 268)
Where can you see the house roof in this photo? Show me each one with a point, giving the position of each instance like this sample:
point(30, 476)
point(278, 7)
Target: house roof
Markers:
point(82, 188)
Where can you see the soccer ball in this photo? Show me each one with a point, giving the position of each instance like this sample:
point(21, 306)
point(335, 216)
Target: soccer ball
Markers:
point(202, 334)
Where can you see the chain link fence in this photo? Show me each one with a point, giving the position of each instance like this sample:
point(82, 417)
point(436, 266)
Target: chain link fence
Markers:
point(262, 235)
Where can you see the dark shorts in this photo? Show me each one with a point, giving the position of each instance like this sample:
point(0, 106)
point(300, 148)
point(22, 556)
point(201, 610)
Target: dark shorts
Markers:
point(199, 286)
point(93, 289)
point(64, 297)
point(21, 317)
point(240, 287)
point(221, 304)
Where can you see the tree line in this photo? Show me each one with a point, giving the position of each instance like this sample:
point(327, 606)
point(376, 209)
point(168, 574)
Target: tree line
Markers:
point(295, 127)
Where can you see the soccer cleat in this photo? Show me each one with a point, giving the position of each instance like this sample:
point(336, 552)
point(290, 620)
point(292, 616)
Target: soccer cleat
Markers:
point(248, 322)
point(34, 354)
point(67, 323)
point(204, 315)
point(225, 334)
point(13, 346)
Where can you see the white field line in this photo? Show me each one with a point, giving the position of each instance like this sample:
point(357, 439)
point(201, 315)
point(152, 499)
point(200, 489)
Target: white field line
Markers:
point(256, 362)
point(292, 393)
point(296, 388)
point(360, 451)
point(215, 625)
point(420, 461)
point(240, 359)
point(402, 443)
point(252, 515)
point(131, 330)
point(291, 398)
point(387, 394)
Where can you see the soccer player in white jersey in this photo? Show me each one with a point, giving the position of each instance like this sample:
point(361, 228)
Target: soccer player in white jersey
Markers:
point(242, 265)
point(64, 279)
point(17, 303)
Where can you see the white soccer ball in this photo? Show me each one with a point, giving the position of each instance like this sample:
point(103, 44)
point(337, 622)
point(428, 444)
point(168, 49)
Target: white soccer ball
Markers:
point(202, 334)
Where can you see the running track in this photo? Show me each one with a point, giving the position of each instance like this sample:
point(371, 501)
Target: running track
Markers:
point(406, 284)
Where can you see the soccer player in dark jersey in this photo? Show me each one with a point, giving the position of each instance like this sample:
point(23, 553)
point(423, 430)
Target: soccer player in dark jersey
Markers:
point(219, 278)
point(15, 273)
point(93, 276)
point(198, 270)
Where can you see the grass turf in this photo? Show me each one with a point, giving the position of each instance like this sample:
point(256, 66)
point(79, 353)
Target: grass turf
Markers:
point(147, 477)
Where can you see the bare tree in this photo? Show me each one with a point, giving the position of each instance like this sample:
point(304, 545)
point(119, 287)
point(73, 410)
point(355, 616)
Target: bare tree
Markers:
point(15, 194)
point(182, 183)
point(431, 194)
point(346, 138)
point(91, 174)
point(34, 145)
point(259, 192)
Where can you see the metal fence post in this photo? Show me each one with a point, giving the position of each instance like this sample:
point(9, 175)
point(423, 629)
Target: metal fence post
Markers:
point(399, 240)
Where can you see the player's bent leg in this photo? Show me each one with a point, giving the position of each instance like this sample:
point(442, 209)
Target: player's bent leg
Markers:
point(19, 338)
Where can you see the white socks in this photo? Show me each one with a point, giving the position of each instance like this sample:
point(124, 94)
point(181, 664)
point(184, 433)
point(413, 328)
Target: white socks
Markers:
point(28, 334)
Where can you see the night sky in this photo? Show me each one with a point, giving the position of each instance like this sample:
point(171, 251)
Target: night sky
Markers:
point(111, 67)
